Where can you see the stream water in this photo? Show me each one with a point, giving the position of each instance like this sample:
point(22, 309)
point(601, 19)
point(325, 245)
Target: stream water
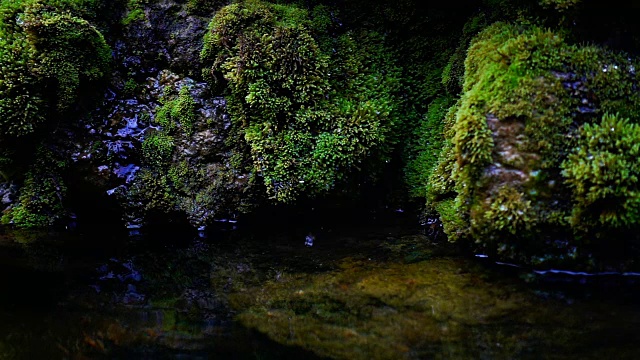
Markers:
point(369, 290)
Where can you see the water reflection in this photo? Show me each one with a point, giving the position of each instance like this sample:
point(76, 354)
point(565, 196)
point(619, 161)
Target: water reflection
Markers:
point(367, 292)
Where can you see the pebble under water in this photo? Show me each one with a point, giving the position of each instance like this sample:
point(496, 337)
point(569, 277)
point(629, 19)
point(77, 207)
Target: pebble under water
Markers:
point(368, 290)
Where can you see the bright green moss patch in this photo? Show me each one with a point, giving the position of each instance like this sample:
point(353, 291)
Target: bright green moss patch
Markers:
point(430, 141)
point(135, 12)
point(603, 172)
point(68, 49)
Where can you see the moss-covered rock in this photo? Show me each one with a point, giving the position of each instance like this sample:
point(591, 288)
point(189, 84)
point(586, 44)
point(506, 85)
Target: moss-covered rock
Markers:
point(47, 54)
point(157, 35)
point(515, 177)
point(53, 62)
point(42, 195)
point(187, 168)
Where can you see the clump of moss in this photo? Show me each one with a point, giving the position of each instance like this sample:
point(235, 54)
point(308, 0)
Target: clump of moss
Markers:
point(67, 48)
point(41, 200)
point(51, 58)
point(157, 149)
point(453, 72)
point(21, 101)
point(604, 174)
point(429, 135)
point(204, 7)
point(135, 12)
point(131, 87)
point(509, 211)
point(179, 112)
point(560, 5)
point(48, 56)
point(310, 113)
point(150, 193)
point(186, 168)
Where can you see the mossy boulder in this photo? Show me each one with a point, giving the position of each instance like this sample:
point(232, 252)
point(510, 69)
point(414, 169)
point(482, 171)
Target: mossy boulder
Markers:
point(158, 35)
point(531, 156)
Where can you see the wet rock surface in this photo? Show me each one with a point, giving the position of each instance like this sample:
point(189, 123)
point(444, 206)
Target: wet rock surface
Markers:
point(109, 147)
point(167, 36)
point(511, 161)
point(156, 53)
point(8, 194)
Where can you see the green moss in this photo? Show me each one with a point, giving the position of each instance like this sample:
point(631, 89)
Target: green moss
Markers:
point(430, 141)
point(516, 161)
point(203, 7)
point(604, 174)
point(52, 60)
point(453, 72)
point(179, 174)
point(41, 200)
point(157, 149)
point(177, 113)
point(560, 5)
point(505, 86)
point(153, 191)
point(135, 12)
point(132, 16)
point(454, 222)
point(21, 101)
point(311, 114)
point(509, 211)
point(68, 49)
point(130, 87)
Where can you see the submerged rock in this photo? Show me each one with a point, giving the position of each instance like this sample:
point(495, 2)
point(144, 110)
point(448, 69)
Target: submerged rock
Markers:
point(442, 307)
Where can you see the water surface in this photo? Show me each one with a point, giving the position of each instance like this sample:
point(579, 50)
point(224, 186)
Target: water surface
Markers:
point(372, 290)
